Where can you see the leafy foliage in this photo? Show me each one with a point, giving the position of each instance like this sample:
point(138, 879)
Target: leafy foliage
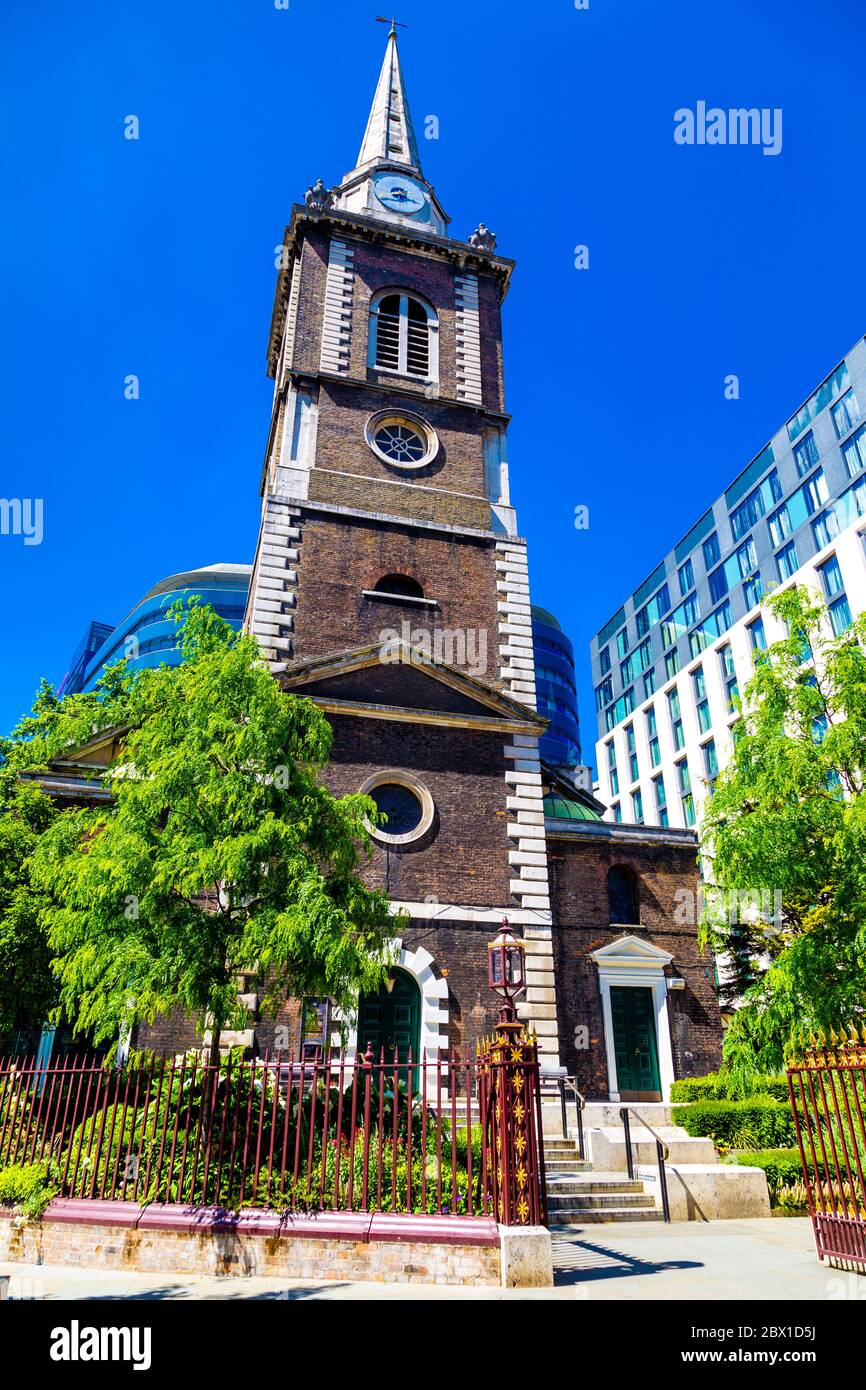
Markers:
point(723, 1085)
point(221, 855)
point(789, 816)
point(28, 989)
point(28, 1187)
point(759, 1123)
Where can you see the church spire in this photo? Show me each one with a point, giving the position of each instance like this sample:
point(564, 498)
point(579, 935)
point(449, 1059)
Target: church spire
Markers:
point(390, 136)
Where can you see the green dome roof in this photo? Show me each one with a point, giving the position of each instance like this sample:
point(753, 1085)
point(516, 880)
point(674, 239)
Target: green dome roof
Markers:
point(562, 808)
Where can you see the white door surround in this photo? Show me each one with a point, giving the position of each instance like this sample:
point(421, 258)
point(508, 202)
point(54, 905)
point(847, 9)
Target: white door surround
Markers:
point(635, 963)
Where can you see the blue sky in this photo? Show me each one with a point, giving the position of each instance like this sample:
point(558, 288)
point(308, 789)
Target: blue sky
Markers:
point(155, 258)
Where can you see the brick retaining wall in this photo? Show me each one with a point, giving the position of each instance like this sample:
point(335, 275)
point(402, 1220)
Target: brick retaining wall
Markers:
point(329, 1246)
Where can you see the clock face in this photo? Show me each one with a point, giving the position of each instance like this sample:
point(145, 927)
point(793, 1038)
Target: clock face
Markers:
point(399, 194)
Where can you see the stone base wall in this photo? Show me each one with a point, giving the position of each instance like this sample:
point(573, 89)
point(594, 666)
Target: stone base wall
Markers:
point(177, 1240)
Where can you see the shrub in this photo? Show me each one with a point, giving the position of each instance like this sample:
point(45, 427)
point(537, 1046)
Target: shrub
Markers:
point(28, 1187)
point(722, 1086)
point(758, 1123)
point(782, 1166)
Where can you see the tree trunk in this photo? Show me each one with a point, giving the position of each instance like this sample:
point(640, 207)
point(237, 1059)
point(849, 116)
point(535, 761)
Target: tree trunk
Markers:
point(215, 1035)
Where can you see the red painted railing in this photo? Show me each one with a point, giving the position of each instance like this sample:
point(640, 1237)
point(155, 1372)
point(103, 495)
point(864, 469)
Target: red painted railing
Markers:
point(828, 1098)
point(279, 1132)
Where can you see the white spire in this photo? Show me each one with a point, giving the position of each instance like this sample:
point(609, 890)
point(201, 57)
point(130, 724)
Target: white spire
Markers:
point(390, 135)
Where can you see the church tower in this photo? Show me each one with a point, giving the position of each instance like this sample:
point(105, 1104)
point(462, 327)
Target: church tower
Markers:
point(390, 581)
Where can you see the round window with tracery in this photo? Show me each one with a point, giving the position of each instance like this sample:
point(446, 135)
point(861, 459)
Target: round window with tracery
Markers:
point(404, 801)
point(404, 440)
point(400, 443)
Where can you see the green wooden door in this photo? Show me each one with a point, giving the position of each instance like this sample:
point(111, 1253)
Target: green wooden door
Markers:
point(391, 1021)
point(635, 1043)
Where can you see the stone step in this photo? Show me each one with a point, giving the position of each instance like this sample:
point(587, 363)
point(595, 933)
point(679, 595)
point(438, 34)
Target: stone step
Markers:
point(607, 1148)
point(557, 1185)
point(567, 1165)
point(598, 1201)
point(577, 1217)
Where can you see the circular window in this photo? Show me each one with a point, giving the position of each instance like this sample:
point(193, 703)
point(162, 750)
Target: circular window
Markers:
point(400, 806)
point(405, 802)
point(403, 440)
point(400, 443)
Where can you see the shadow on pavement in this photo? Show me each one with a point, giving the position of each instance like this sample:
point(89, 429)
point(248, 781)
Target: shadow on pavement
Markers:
point(577, 1260)
point(233, 1290)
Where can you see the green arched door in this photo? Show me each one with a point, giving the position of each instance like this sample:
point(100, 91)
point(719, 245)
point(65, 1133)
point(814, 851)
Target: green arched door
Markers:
point(391, 1020)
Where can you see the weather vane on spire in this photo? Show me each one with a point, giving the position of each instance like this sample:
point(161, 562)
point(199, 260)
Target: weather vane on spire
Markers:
point(394, 23)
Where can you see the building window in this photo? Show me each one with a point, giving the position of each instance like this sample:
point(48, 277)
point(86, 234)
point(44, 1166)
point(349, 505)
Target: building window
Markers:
point(603, 694)
point(787, 560)
point(840, 615)
point(613, 775)
point(756, 505)
point(661, 800)
point(806, 454)
point(672, 663)
point(686, 574)
point(712, 551)
point(404, 801)
point(686, 798)
point(398, 586)
point(649, 684)
point(831, 577)
point(854, 453)
point(729, 677)
point(711, 761)
point(403, 335)
point(702, 705)
point(837, 600)
point(622, 897)
point(757, 636)
point(846, 414)
point(401, 438)
point(631, 748)
point(752, 591)
point(652, 735)
point(718, 582)
point(622, 643)
point(616, 811)
point(637, 807)
point(675, 715)
point(604, 660)
point(825, 528)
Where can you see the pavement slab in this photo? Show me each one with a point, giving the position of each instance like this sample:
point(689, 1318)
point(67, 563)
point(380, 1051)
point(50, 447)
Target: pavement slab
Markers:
point(719, 1260)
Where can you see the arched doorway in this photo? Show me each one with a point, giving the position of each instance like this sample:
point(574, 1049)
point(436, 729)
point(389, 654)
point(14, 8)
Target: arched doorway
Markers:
point(391, 1019)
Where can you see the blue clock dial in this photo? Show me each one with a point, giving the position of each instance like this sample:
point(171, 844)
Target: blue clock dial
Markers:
point(399, 194)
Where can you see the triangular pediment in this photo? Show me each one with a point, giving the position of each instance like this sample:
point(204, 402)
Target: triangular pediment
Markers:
point(404, 682)
point(631, 951)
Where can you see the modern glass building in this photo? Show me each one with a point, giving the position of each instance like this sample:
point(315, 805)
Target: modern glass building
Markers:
point(147, 636)
point(82, 657)
point(556, 692)
point(669, 663)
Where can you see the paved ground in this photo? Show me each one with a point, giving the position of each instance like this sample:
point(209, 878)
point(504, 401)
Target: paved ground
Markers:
point(722, 1260)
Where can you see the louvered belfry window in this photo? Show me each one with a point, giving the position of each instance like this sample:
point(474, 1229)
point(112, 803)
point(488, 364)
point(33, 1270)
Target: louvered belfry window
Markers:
point(403, 335)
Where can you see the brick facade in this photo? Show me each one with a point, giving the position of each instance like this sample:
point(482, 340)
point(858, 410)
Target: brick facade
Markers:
point(578, 871)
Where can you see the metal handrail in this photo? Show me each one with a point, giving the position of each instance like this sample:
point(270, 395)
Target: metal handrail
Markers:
point(661, 1156)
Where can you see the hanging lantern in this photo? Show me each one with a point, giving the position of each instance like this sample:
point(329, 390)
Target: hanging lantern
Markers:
point(506, 964)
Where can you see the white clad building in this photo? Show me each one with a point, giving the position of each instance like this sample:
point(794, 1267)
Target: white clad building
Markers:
point(667, 664)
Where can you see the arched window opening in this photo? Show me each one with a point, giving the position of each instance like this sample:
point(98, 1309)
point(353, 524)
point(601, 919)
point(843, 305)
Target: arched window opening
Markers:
point(622, 896)
point(399, 585)
point(401, 336)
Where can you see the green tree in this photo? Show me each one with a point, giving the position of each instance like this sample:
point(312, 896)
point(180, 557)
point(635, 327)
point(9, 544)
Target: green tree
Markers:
point(28, 988)
point(221, 855)
point(788, 823)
